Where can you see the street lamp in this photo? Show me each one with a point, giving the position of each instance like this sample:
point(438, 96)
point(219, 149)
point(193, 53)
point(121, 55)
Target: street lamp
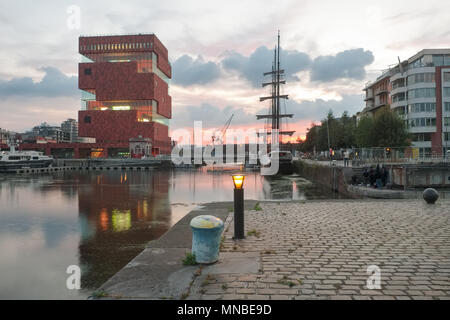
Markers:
point(238, 181)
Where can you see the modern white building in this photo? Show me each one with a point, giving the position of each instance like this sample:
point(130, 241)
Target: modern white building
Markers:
point(419, 91)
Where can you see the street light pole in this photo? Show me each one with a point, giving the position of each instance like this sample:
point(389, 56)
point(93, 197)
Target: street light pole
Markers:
point(238, 181)
point(328, 132)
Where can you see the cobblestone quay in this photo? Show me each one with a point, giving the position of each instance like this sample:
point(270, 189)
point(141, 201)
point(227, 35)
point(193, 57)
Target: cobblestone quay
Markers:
point(322, 249)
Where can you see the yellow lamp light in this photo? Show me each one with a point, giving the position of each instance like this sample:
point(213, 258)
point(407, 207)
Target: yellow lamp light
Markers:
point(238, 181)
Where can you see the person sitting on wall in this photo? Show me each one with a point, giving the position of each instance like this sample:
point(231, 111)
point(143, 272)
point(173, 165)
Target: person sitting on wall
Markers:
point(372, 177)
point(384, 176)
point(366, 176)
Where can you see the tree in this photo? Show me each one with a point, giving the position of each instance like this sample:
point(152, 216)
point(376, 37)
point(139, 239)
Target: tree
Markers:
point(386, 129)
point(390, 130)
point(364, 132)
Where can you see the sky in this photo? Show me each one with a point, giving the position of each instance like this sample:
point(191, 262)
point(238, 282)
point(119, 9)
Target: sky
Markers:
point(218, 51)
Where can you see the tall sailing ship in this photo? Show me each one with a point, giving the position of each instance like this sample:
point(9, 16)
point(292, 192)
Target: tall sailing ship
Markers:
point(274, 125)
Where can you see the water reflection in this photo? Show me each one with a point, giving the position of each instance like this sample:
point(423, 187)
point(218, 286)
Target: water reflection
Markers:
point(102, 220)
point(118, 214)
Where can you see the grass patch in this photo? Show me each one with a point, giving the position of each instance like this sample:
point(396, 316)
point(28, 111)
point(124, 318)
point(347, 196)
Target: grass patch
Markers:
point(222, 241)
point(257, 207)
point(224, 287)
point(99, 294)
point(269, 252)
point(184, 296)
point(207, 280)
point(254, 233)
point(189, 260)
point(286, 281)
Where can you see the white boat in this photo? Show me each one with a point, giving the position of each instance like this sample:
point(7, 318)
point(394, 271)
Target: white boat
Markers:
point(11, 160)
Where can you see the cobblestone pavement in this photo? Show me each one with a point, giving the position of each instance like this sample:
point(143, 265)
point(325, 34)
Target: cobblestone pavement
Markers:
point(322, 249)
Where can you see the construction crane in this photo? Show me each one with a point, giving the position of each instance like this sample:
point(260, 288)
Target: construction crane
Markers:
point(219, 137)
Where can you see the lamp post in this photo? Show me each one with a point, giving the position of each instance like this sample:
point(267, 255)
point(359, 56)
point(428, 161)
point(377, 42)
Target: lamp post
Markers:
point(238, 181)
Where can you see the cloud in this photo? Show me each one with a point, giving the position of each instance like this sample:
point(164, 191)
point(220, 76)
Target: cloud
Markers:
point(252, 67)
point(187, 71)
point(317, 109)
point(346, 64)
point(53, 84)
point(304, 112)
point(212, 116)
point(24, 112)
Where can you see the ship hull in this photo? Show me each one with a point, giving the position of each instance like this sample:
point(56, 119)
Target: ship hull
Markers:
point(10, 166)
point(284, 168)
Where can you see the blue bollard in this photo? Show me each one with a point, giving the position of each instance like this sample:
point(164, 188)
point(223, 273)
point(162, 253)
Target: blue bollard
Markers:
point(206, 233)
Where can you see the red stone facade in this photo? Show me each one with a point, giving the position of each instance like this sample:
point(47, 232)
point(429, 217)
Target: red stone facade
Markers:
point(127, 77)
point(120, 126)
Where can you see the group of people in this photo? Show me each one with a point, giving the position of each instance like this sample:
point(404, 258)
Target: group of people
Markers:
point(376, 177)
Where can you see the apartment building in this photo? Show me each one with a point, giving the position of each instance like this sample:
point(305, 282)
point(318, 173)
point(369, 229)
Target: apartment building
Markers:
point(417, 89)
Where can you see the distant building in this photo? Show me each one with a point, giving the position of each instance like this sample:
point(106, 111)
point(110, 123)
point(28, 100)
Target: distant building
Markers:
point(4, 136)
point(418, 90)
point(45, 133)
point(70, 130)
point(125, 82)
point(7, 137)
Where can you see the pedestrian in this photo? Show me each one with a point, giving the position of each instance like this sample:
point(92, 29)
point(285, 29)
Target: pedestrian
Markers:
point(346, 157)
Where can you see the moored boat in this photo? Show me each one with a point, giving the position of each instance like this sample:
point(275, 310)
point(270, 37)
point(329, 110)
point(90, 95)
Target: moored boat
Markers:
point(12, 160)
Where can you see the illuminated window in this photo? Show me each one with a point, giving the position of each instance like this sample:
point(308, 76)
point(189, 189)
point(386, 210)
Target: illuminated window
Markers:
point(121, 107)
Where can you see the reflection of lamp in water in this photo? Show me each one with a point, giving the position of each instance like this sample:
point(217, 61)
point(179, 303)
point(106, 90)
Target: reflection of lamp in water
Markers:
point(145, 207)
point(121, 220)
point(238, 181)
point(104, 219)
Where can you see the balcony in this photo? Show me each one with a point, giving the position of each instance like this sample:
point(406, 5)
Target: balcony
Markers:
point(398, 90)
point(399, 103)
point(381, 91)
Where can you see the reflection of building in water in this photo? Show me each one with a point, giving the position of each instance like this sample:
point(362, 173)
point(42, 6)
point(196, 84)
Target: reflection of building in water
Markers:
point(119, 213)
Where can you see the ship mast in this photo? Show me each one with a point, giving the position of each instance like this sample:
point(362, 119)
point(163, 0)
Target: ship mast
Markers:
point(275, 115)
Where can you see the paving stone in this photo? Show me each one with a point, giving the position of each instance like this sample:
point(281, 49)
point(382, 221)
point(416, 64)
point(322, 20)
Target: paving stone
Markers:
point(328, 245)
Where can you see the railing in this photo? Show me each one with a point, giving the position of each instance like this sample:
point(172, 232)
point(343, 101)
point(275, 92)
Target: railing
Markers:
point(407, 155)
